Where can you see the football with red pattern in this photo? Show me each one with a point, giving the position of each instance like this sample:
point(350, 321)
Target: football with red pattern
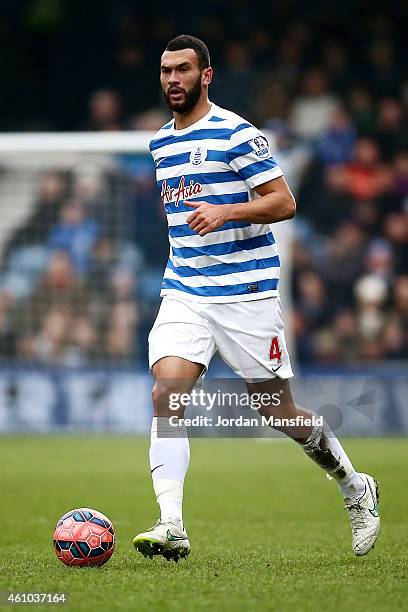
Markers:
point(84, 537)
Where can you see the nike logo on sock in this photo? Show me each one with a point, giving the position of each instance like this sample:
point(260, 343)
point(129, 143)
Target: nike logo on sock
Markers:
point(155, 468)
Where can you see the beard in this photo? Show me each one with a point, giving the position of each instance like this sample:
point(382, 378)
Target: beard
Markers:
point(190, 98)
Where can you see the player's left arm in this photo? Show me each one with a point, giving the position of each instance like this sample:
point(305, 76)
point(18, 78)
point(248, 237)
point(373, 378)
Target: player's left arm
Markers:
point(276, 203)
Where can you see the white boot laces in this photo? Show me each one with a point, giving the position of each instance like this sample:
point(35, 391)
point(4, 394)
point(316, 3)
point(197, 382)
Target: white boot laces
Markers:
point(356, 514)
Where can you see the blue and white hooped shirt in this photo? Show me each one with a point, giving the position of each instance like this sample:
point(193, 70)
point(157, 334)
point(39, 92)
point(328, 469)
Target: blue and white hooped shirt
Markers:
point(220, 159)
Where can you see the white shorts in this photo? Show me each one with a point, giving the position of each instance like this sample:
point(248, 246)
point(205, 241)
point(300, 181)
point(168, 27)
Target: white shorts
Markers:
point(248, 335)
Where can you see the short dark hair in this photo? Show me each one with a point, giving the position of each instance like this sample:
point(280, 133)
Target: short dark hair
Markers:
point(185, 41)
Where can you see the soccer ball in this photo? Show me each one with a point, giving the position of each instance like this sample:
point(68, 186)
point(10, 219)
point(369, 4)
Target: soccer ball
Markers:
point(84, 537)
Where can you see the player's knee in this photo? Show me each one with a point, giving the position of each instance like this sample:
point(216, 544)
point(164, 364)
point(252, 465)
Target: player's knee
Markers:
point(155, 398)
point(160, 398)
point(281, 412)
point(165, 396)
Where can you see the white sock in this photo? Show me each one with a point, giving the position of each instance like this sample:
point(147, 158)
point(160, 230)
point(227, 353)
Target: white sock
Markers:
point(354, 487)
point(169, 495)
point(169, 459)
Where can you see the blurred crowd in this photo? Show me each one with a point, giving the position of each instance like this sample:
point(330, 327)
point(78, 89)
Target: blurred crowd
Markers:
point(327, 79)
point(70, 279)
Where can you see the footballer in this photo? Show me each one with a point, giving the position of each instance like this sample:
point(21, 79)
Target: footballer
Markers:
point(222, 190)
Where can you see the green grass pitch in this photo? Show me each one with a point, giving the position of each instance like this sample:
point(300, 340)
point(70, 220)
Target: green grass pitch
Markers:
point(267, 529)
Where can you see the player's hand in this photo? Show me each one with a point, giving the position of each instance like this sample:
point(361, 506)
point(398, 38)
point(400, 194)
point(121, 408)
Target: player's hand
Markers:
point(207, 217)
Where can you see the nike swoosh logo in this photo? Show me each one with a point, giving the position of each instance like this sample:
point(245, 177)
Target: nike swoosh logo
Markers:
point(159, 161)
point(276, 369)
point(173, 538)
point(155, 468)
point(374, 510)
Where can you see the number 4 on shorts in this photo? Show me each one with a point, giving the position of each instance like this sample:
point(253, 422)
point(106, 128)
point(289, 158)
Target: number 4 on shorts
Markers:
point(274, 350)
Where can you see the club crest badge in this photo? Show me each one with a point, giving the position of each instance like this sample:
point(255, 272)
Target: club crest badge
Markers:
point(260, 146)
point(198, 155)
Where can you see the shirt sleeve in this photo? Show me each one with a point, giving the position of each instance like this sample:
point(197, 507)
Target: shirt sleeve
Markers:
point(249, 156)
